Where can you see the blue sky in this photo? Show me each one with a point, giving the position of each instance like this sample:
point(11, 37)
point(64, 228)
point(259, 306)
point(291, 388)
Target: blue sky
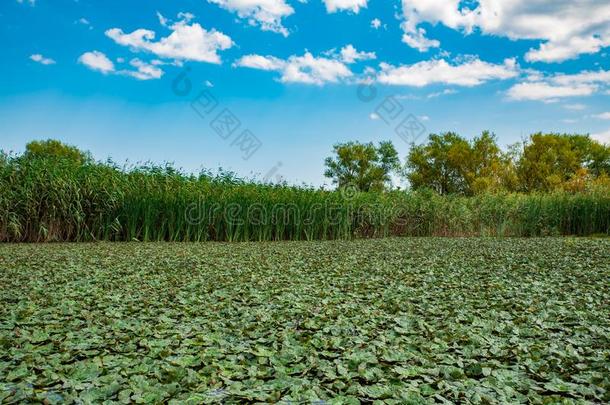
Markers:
point(284, 80)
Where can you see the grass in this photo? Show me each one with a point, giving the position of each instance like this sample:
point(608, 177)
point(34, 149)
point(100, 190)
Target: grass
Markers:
point(478, 320)
point(46, 200)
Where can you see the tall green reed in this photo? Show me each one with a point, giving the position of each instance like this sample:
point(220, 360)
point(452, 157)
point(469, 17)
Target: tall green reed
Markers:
point(45, 200)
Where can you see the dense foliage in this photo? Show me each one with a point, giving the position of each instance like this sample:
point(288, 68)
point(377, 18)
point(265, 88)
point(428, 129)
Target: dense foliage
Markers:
point(363, 167)
point(415, 321)
point(49, 198)
point(54, 149)
point(450, 164)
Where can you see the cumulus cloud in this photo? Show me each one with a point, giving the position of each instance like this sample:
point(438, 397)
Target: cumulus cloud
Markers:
point(603, 116)
point(307, 69)
point(331, 67)
point(376, 23)
point(261, 62)
point(416, 12)
point(349, 54)
point(558, 86)
point(144, 71)
point(469, 73)
point(98, 61)
point(567, 28)
point(314, 70)
point(267, 14)
point(601, 77)
point(570, 48)
point(41, 59)
point(547, 92)
point(332, 6)
point(186, 41)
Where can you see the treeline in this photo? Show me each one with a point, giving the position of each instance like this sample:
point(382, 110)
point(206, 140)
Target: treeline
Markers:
point(450, 164)
point(53, 192)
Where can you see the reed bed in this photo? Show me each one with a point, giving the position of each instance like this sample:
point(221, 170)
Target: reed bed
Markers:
point(46, 200)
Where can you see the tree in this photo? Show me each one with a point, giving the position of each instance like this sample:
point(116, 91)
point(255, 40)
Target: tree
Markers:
point(439, 164)
point(449, 164)
point(364, 166)
point(489, 169)
point(54, 149)
point(549, 161)
point(596, 156)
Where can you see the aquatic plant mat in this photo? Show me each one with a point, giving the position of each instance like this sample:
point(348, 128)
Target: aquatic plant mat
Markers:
point(414, 320)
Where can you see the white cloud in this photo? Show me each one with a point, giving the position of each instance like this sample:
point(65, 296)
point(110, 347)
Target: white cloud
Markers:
point(416, 38)
point(424, 118)
point(98, 61)
point(32, 2)
point(374, 116)
point(186, 42)
point(41, 59)
point(603, 137)
point(267, 14)
point(182, 17)
point(306, 69)
point(314, 70)
point(603, 116)
point(432, 11)
point(145, 71)
point(584, 77)
point(376, 23)
point(333, 6)
point(542, 91)
point(575, 107)
point(570, 48)
point(162, 20)
point(555, 87)
point(261, 62)
point(329, 68)
point(567, 28)
point(349, 54)
point(445, 92)
point(84, 21)
point(469, 73)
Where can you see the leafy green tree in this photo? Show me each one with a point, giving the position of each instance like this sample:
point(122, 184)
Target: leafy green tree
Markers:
point(439, 164)
point(364, 166)
point(549, 161)
point(488, 168)
point(596, 157)
point(52, 148)
point(450, 164)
